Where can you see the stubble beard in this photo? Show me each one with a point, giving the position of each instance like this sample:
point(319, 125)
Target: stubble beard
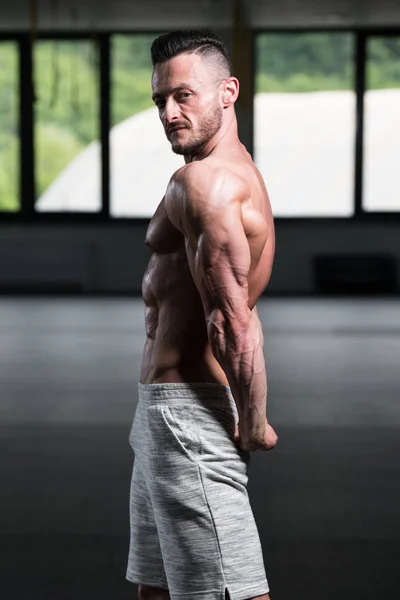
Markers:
point(209, 126)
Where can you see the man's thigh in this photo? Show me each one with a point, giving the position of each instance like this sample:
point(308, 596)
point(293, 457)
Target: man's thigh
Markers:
point(208, 536)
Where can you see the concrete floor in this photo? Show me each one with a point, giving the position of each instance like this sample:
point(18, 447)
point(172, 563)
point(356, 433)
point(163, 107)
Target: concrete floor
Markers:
point(326, 500)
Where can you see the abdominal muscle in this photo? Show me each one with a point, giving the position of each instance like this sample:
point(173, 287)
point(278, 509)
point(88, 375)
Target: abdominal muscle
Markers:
point(173, 368)
point(176, 348)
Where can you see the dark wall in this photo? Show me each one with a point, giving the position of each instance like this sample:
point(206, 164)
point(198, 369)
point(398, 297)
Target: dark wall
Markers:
point(139, 14)
point(113, 258)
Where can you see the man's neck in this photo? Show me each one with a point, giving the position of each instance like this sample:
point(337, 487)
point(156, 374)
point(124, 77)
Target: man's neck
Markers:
point(226, 137)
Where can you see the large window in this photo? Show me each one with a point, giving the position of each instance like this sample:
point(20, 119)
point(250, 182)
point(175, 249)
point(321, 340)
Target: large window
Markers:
point(304, 122)
point(141, 159)
point(309, 96)
point(67, 126)
point(9, 127)
point(381, 181)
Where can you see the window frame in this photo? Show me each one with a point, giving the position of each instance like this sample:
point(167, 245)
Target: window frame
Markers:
point(27, 213)
point(360, 36)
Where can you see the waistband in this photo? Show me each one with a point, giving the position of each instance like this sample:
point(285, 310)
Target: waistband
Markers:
point(177, 393)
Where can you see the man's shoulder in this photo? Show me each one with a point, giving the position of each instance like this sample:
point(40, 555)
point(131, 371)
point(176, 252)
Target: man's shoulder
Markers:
point(208, 180)
point(203, 190)
point(200, 172)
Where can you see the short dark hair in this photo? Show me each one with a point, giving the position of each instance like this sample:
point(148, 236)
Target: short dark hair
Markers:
point(205, 43)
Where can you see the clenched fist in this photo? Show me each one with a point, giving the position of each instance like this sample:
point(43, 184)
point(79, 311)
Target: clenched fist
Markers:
point(264, 441)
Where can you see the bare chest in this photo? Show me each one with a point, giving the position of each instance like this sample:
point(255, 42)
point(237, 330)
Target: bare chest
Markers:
point(168, 264)
point(162, 237)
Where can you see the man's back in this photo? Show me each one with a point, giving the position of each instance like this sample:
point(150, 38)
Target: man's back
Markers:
point(177, 347)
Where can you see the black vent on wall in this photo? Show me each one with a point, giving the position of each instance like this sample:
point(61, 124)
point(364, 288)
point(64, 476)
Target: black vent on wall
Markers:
point(355, 274)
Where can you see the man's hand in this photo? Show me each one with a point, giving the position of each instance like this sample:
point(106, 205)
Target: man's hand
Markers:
point(265, 442)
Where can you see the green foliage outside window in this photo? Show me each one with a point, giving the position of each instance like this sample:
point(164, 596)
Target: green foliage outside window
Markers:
point(130, 76)
point(9, 137)
point(304, 62)
point(322, 61)
point(383, 63)
point(66, 107)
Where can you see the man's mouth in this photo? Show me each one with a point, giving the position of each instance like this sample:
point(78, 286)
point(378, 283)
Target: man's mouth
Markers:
point(174, 129)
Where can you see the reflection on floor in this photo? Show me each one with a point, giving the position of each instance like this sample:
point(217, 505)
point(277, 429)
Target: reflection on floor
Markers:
point(326, 500)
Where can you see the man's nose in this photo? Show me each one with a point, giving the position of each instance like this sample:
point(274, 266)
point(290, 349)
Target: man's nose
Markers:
point(171, 110)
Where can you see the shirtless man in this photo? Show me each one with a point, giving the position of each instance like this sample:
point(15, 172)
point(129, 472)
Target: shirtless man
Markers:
point(203, 387)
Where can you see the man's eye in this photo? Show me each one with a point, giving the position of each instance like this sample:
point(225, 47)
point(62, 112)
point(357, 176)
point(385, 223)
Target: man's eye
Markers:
point(184, 95)
point(160, 103)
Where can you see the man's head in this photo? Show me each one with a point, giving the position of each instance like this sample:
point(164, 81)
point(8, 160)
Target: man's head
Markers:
point(192, 85)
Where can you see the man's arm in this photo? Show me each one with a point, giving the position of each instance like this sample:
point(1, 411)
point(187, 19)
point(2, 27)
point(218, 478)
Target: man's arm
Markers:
point(205, 205)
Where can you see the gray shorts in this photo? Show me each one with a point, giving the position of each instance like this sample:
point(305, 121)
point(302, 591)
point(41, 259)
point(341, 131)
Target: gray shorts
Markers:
point(192, 527)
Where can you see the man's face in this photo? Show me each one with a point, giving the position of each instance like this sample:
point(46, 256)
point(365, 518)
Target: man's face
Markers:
point(186, 93)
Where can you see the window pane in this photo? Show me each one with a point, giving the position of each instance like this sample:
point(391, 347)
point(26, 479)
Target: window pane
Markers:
point(67, 150)
point(305, 122)
point(142, 161)
point(381, 180)
point(9, 127)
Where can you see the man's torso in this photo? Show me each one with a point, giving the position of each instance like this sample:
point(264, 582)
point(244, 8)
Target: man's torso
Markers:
point(177, 348)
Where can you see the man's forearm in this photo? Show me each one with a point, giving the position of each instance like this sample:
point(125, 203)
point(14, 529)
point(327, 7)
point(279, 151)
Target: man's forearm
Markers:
point(239, 351)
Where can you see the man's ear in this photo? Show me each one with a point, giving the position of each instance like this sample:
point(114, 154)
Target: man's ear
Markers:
point(230, 92)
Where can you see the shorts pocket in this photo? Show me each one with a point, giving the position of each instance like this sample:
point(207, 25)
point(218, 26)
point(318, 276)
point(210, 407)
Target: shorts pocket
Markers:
point(181, 425)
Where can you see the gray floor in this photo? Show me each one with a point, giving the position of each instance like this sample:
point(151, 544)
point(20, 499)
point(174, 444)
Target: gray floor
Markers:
point(326, 500)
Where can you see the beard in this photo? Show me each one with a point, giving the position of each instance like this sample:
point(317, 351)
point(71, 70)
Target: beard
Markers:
point(208, 127)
